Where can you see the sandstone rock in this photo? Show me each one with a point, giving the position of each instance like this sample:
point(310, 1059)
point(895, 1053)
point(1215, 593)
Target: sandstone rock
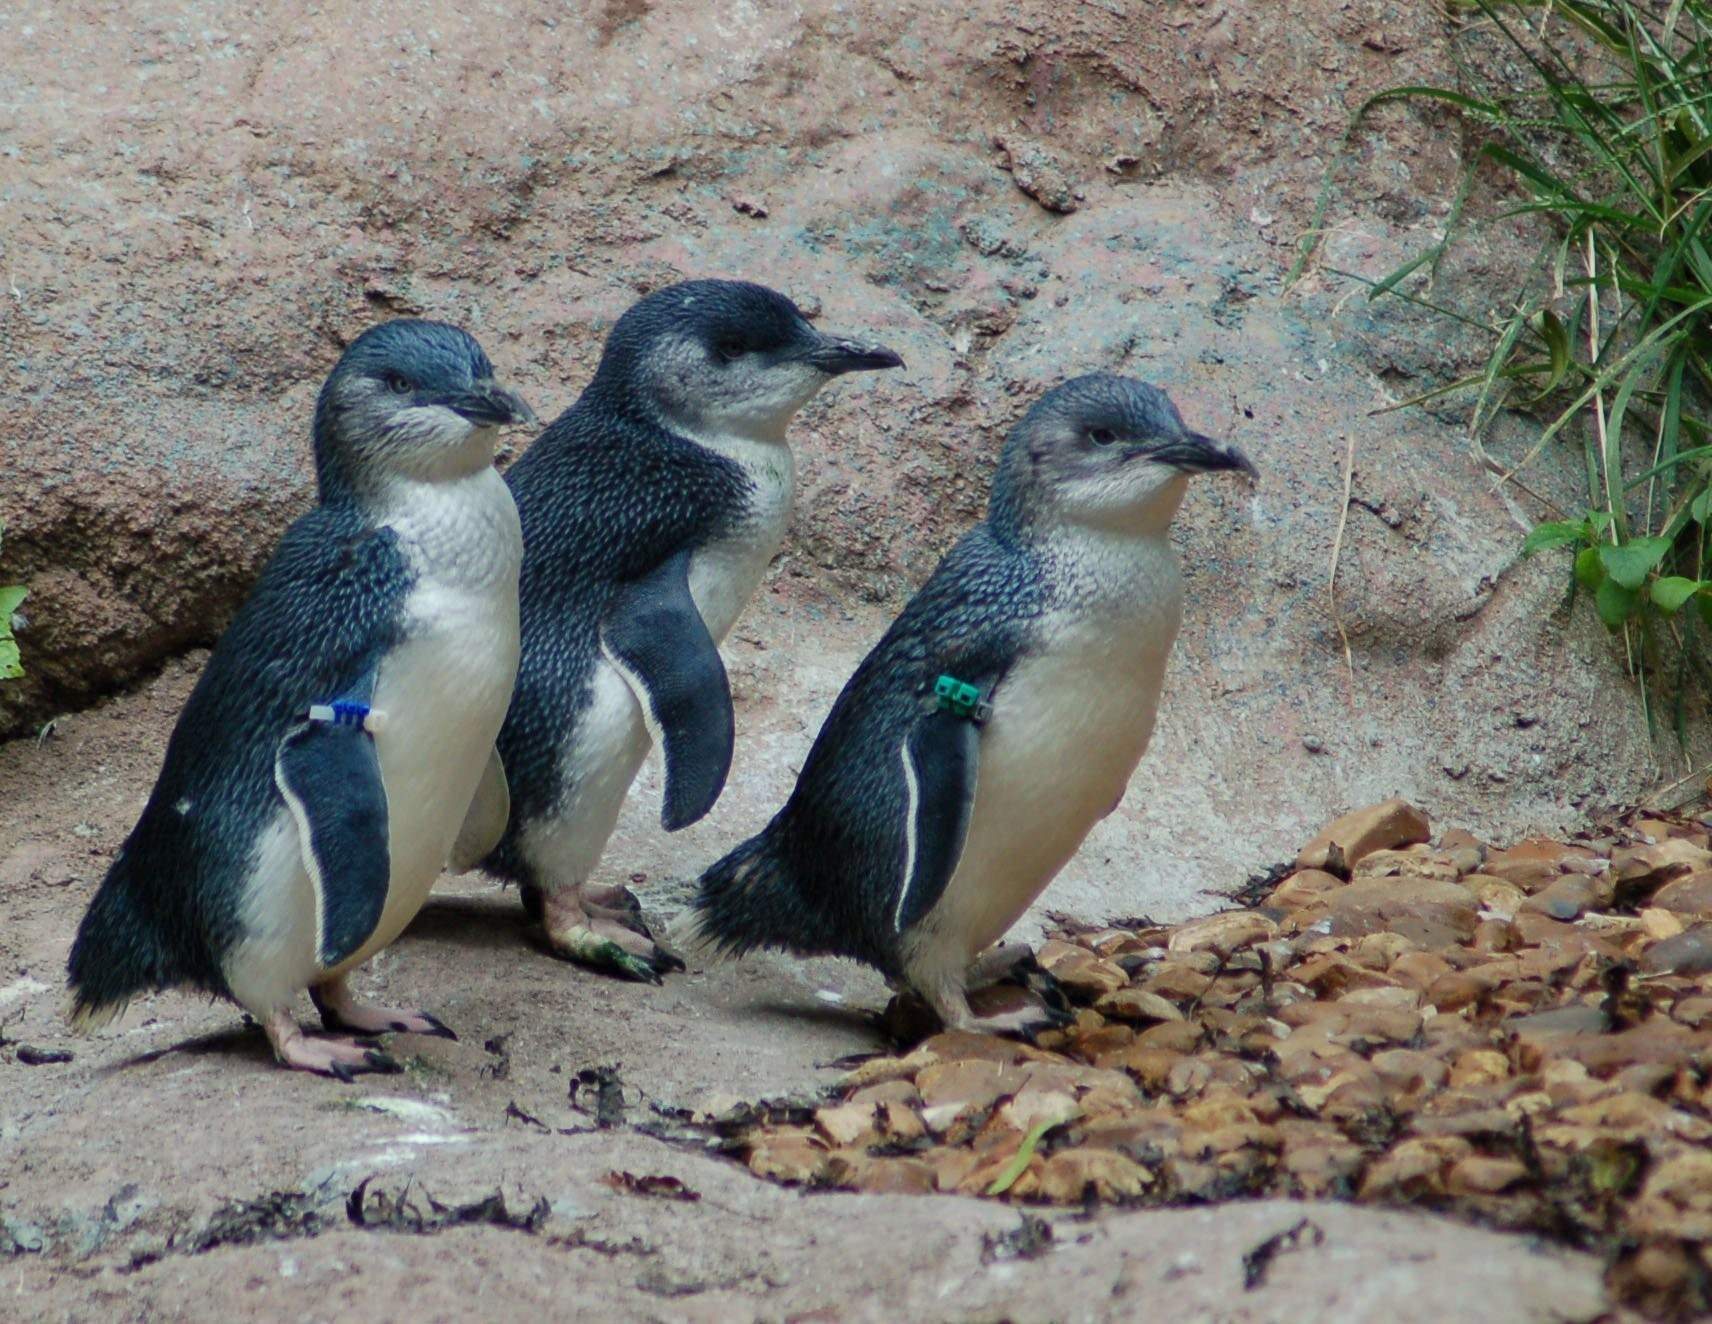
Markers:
point(1223, 934)
point(1428, 914)
point(1688, 953)
point(1304, 886)
point(1340, 846)
point(1641, 868)
point(1691, 895)
point(1568, 897)
point(1039, 174)
point(1419, 862)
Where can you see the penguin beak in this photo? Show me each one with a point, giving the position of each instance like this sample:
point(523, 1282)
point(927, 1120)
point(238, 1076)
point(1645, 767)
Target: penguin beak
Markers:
point(490, 405)
point(835, 355)
point(1196, 454)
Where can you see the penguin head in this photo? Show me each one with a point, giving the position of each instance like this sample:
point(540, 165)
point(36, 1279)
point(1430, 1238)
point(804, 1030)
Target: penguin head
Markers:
point(410, 399)
point(724, 358)
point(1104, 450)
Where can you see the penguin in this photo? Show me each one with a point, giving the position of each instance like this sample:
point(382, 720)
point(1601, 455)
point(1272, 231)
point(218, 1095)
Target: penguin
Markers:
point(650, 511)
point(998, 719)
point(323, 769)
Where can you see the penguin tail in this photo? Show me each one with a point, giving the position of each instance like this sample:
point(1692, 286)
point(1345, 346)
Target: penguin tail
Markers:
point(85, 1017)
point(116, 956)
point(745, 901)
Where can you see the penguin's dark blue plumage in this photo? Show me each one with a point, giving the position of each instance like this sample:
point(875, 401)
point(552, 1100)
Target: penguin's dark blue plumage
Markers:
point(326, 608)
point(824, 877)
point(267, 853)
point(650, 509)
point(997, 719)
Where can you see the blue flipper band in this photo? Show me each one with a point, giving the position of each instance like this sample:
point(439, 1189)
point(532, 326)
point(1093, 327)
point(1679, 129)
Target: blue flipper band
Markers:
point(345, 712)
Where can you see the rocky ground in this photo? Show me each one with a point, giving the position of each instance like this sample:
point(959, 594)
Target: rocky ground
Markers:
point(545, 1161)
point(202, 202)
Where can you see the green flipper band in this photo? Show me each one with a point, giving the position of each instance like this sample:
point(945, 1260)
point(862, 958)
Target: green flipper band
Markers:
point(961, 699)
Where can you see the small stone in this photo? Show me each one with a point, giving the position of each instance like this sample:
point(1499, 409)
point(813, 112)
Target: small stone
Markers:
point(1223, 934)
point(1411, 862)
point(1658, 924)
point(1137, 1004)
point(1302, 887)
point(1529, 864)
point(1480, 1066)
point(1568, 896)
point(1688, 953)
point(1644, 867)
point(1496, 896)
point(1038, 173)
point(1480, 1175)
point(1429, 914)
point(1383, 826)
point(1079, 970)
point(1690, 895)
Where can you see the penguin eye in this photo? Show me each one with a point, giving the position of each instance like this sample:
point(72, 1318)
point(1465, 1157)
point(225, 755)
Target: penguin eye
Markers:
point(397, 383)
point(1102, 436)
point(728, 349)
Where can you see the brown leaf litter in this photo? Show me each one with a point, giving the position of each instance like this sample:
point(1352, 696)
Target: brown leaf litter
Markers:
point(1522, 1037)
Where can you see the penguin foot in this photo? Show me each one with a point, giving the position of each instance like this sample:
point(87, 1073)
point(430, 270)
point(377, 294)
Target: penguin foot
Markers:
point(1006, 961)
point(601, 927)
point(342, 1059)
point(341, 1011)
point(1010, 1009)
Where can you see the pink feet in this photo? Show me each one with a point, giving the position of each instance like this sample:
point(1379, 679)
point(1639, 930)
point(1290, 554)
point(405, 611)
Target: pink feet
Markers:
point(601, 926)
point(340, 1010)
point(343, 1059)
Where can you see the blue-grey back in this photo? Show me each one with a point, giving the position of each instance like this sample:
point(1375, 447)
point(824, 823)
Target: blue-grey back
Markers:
point(842, 826)
point(604, 496)
point(327, 605)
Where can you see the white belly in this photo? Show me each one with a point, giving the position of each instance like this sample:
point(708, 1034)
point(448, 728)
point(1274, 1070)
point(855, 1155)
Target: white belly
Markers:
point(596, 767)
point(444, 695)
point(1068, 727)
point(444, 691)
point(724, 575)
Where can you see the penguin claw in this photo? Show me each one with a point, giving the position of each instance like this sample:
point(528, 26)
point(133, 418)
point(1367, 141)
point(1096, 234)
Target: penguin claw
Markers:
point(341, 1013)
point(382, 1064)
point(601, 942)
point(436, 1027)
point(639, 968)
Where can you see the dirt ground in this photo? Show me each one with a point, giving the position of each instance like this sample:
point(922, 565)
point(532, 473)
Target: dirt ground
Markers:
point(171, 1171)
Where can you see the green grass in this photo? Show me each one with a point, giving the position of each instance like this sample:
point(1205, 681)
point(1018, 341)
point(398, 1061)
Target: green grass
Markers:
point(11, 598)
point(1601, 123)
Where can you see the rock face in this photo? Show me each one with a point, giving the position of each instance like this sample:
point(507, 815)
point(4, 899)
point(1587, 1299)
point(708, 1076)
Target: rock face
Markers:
point(201, 209)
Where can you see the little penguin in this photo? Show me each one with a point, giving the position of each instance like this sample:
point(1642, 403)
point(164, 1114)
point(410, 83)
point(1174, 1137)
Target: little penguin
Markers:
point(998, 719)
point(650, 511)
point(323, 768)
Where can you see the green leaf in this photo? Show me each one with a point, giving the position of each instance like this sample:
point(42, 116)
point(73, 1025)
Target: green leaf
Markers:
point(11, 664)
point(1019, 1164)
point(1589, 569)
point(1615, 603)
point(1702, 506)
point(1553, 534)
point(1629, 564)
point(1671, 591)
point(1551, 330)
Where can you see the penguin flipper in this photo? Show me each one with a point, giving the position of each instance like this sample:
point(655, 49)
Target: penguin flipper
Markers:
point(655, 636)
point(329, 774)
point(940, 763)
point(485, 822)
